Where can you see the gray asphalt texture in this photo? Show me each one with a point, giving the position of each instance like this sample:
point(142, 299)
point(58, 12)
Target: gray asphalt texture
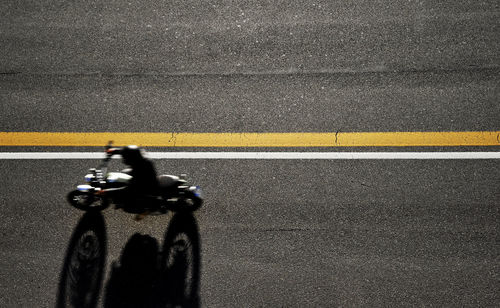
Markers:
point(403, 101)
point(273, 233)
point(251, 36)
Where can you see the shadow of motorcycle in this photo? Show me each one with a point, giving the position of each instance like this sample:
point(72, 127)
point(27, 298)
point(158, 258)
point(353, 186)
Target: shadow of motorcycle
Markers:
point(144, 276)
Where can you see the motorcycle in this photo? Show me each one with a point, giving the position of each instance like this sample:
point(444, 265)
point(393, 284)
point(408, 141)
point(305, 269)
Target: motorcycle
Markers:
point(173, 192)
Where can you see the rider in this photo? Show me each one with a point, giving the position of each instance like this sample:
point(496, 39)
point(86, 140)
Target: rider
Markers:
point(143, 182)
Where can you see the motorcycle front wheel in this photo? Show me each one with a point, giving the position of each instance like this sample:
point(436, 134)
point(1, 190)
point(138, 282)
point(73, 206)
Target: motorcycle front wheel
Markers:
point(83, 269)
point(86, 201)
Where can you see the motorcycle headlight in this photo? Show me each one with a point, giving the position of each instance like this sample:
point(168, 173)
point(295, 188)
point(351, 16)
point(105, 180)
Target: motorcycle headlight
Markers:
point(85, 188)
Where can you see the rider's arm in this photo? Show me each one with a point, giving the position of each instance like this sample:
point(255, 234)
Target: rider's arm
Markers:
point(109, 153)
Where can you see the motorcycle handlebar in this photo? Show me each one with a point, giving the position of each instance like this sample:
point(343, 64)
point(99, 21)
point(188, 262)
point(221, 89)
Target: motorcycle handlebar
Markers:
point(110, 151)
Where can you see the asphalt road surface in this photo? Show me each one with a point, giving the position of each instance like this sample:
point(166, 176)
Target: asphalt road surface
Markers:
point(272, 233)
point(282, 233)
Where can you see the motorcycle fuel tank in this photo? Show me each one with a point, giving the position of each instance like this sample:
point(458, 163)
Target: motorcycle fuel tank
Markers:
point(118, 177)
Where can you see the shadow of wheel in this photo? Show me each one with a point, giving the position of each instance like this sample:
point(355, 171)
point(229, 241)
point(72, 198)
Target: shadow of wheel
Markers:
point(82, 272)
point(180, 262)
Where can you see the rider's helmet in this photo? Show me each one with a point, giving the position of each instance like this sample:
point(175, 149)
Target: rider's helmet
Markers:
point(131, 155)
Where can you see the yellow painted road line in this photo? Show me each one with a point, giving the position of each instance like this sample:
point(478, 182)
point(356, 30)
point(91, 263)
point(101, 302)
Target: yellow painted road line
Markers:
point(348, 139)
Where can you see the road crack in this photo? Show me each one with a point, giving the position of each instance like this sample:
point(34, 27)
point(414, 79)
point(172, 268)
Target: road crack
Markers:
point(173, 138)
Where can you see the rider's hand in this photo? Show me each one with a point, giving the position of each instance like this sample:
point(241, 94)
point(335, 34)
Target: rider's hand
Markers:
point(113, 151)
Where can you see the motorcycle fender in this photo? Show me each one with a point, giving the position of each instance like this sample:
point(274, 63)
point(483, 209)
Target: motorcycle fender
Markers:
point(196, 190)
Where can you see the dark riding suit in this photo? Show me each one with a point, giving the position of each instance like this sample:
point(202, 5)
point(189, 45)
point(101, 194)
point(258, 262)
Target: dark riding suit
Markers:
point(144, 180)
point(144, 183)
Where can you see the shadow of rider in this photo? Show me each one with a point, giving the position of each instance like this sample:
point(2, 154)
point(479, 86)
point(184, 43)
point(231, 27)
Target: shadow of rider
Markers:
point(135, 280)
point(146, 276)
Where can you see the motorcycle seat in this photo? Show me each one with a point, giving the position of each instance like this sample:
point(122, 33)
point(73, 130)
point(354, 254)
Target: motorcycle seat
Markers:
point(167, 181)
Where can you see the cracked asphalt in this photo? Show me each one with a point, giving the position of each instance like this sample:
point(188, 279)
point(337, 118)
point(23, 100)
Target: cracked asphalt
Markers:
point(275, 233)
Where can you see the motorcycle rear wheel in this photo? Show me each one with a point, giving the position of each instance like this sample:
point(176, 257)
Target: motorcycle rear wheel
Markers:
point(180, 262)
point(191, 203)
point(187, 203)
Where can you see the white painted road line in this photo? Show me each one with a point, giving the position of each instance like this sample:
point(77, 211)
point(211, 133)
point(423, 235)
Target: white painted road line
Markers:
point(262, 155)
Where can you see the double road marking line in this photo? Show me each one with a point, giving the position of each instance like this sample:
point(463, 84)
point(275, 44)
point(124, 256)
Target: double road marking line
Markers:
point(256, 140)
